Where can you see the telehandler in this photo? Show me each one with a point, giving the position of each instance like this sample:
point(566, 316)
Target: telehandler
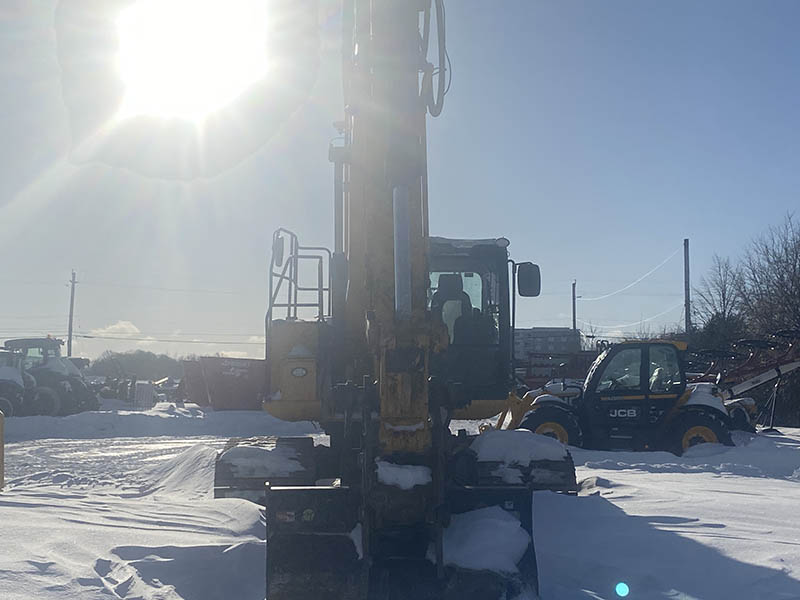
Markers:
point(638, 395)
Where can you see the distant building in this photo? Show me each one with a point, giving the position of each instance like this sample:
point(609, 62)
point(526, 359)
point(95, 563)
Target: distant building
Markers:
point(540, 350)
point(546, 340)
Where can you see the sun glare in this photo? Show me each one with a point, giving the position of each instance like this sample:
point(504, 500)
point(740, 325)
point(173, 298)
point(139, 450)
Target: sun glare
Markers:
point(189, 58)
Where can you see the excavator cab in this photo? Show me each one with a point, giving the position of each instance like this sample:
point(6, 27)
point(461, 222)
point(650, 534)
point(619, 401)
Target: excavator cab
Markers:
point(471, 292)
point(468, 293)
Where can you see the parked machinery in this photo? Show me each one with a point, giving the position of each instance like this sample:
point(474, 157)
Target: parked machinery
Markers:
point(638, 395)
point(12, 384)
point(59, 386)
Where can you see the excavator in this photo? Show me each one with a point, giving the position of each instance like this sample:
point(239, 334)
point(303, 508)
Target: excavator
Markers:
point(384, 341)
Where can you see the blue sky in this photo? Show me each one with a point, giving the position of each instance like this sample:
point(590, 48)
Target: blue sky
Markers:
point(594, 135)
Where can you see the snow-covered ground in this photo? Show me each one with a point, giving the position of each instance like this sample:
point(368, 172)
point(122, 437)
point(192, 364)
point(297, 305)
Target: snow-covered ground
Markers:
point(117, 504)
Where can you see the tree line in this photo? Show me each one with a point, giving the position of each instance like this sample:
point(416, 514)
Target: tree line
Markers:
point(136, 364)
point(756, 296)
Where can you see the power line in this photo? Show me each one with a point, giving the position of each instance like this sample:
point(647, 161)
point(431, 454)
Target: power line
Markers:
point(181, 333)
point(630, 285)
point(17, 317)
point(173, 341)
point(164, 289)
point(51, 283)
point(628, 325)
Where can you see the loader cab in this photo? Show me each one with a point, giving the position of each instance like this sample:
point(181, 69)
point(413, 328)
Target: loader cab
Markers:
point(629, 392)
point(469, 294)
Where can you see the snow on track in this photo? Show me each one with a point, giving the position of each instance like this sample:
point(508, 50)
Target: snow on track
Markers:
point(117, 504)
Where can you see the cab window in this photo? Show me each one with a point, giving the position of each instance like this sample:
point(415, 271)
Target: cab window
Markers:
point(34, 357)
point(468, 304)
point(622, 372)
point(664, 373)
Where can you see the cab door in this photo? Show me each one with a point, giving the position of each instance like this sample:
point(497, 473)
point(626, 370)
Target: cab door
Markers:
point(666, 384)
point(615, 400)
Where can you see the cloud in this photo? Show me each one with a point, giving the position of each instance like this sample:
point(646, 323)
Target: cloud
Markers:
point(118, 329)
point(125, 336)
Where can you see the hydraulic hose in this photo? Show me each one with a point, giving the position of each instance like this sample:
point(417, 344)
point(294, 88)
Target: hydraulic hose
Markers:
point(435, 101)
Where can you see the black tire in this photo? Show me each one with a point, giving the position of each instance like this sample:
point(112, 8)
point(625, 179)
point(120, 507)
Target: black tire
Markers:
point(47, 402)
point(697, 427)
point(555, 422)
point(740, 420)
point(6, 407)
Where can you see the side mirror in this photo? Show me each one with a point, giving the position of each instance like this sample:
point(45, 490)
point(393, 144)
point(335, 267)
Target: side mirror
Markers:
point(277, 251)
point(529, 280)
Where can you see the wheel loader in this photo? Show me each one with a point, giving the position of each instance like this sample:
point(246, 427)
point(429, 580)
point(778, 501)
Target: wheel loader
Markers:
point(383, 340)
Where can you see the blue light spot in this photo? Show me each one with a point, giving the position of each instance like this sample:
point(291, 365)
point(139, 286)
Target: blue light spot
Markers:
point(622, 589)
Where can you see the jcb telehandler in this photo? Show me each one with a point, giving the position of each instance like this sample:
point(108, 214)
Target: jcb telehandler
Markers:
point(637, 395)
point(405, 330)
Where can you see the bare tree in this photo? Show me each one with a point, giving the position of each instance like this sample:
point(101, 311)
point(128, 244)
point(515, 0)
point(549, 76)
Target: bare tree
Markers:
point(643, 331)
point(718, 306)
point(589, 336)
point(770, 279)
point(719, 292)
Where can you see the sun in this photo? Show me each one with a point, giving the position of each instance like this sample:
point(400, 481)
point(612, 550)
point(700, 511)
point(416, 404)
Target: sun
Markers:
point(189, 58)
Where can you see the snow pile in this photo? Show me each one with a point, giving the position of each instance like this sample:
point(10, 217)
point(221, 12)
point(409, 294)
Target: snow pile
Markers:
point(164, 419)
point(130, 517)
point(763, 456)
point(517, 447)
point(177, 572)
point(189, 474)
point(68, 544)
point(255, 461)
point(404, 477)
point(508, 474)
point(487, 538)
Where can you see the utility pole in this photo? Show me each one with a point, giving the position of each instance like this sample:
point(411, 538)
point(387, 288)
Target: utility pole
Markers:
point(72, 283)
point(687, 308)
point(574, 311)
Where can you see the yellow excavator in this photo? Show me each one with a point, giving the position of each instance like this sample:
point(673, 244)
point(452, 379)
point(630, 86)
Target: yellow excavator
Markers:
point(384, 341)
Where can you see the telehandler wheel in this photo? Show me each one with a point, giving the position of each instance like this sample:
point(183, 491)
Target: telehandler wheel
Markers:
point(693, 428)
point(47, 402)
point(6, 407)
point(556, 423)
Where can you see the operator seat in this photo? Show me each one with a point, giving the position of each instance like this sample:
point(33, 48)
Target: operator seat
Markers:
point(450, 301)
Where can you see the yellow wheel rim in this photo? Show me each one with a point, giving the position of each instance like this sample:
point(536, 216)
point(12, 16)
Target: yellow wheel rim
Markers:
point(554, 430)
point(698, 434)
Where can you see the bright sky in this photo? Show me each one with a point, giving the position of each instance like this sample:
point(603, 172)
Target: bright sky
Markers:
point(594, 135)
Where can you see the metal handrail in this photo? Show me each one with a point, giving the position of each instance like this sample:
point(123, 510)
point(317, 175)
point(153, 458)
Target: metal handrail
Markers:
point(288, 274)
